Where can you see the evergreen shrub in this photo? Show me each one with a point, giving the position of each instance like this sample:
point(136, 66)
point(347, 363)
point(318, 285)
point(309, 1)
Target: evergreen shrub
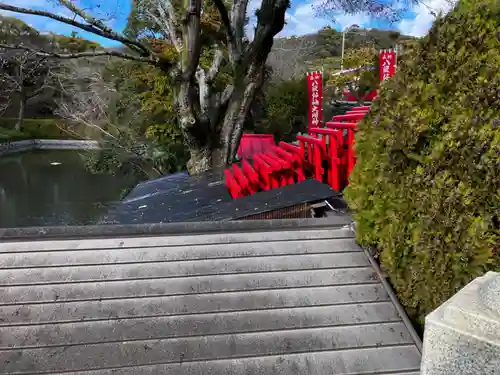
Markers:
point(426, 188)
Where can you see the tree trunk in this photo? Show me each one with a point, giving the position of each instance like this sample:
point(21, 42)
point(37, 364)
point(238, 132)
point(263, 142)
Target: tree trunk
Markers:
point(220, 151)
point(212, 134)
point(200, 161)
point(235, 117)
point(20, 116)
point(203, 160)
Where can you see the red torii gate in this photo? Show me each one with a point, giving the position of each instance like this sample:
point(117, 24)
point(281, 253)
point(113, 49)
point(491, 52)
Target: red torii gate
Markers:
point(326, 153)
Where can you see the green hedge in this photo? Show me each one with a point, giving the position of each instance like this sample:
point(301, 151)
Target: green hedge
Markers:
point(36, 128)
point(426, 187)
point(11, 135)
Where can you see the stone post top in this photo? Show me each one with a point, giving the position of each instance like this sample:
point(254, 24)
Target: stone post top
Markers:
point(490, 291)
point(474, 310)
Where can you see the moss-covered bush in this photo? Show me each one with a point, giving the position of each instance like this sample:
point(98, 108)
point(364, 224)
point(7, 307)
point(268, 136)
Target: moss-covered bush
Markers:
point(426, 187)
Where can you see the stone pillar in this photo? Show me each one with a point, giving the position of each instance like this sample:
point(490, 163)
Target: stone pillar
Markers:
point(462, 336)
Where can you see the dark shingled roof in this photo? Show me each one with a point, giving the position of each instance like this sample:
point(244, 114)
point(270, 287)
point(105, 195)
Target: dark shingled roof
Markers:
point(182, 198)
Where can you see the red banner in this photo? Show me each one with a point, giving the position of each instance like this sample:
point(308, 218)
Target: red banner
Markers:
point(315, 90)
point(387, 64)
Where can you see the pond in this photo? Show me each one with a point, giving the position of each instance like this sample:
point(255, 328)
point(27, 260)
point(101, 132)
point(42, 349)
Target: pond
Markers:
point(48, 188)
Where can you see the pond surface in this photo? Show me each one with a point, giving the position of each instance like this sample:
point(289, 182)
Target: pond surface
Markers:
point(48, 188)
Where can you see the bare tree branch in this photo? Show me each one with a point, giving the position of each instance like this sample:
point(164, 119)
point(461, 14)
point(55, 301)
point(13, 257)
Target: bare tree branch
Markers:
point(4, 103)
point(221, 7)
point(85, 16)
point(8, 85)
point(45, 84)
point(191, 32)
point(167, 12)
point(391, 11)
point(205, 81)
point(271, 20)
point(90, 101)
point(204, 91)
point(41, 53)
point(238, 16)
point(92, 28)
point(23, 76)
point(162, 13)
point(189, 61)
point(226, 95)
point(216, 65)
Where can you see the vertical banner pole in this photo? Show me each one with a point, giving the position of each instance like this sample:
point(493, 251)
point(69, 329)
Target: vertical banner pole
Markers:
point(396, 58)
point(381, 65)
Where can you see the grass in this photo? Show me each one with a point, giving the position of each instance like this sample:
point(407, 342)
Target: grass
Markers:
point(11, 135)
point(34, 128)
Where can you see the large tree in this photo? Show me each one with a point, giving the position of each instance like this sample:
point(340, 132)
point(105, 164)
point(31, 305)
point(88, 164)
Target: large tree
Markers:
point(211, 119)
point(210, 116)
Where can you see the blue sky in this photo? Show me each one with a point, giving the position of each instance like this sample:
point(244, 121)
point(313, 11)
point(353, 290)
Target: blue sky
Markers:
point(301, 17)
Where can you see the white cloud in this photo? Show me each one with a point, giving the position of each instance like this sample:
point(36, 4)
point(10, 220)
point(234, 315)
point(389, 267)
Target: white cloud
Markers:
point(253, 5)
point(425, 14)
point(346, 20)
point(304, 20)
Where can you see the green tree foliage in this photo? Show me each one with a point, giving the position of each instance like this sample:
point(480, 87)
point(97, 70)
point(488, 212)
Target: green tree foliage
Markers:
point(285, 109)
point(147, 93)
point(426, 187)
point(284, 105)
point(158, 121)
point(361, 81)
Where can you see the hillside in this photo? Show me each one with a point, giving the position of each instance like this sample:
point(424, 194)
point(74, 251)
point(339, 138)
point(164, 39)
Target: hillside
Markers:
point(292, 56)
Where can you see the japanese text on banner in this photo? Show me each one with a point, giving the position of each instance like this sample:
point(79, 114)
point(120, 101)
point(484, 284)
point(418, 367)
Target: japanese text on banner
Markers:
point(387, 64)
point(315, 99)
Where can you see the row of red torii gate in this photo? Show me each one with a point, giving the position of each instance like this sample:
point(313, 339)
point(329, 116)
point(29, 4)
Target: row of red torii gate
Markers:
point(326, 153)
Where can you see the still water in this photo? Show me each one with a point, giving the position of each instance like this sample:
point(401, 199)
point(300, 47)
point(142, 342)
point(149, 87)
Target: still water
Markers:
point(47, 188)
